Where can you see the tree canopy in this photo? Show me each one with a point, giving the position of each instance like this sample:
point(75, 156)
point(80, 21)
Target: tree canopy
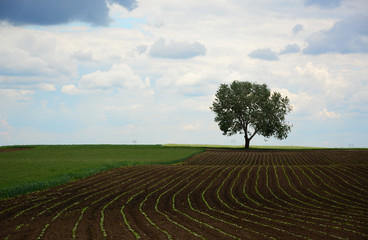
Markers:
point(251, 109)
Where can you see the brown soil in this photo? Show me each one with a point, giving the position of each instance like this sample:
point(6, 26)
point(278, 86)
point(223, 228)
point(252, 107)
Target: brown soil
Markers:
point(220, 194)
point(13, 149)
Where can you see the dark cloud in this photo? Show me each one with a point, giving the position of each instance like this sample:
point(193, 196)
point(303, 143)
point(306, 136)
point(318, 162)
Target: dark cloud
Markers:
point(264, 54)
point(323, 3)
point(51, 12)
point(161, 49)
point(290, 48)
point(346, 36)
point(128, 4)
point(297, 28)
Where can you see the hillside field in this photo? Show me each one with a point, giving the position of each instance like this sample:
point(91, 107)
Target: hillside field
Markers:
point(216, 194)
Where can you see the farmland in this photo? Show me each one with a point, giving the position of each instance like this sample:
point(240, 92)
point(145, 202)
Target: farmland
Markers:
point(216, 194)
point(45, 166)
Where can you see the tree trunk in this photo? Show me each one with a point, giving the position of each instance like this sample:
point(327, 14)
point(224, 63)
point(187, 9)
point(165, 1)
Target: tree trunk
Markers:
point(247, 141)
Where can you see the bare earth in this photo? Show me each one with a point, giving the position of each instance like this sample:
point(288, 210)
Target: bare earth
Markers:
point(218, 194)
point(13, 149)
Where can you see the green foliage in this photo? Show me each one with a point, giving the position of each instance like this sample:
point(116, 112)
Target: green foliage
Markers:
point(43, 167)
point(251, 108)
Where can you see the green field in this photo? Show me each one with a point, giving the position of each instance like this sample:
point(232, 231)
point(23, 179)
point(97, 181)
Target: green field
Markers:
point(43, 166)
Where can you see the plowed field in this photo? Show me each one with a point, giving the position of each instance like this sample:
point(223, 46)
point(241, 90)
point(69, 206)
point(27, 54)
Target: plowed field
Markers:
point(218, 194)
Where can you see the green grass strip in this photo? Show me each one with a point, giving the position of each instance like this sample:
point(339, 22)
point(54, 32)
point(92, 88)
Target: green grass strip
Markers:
point(167, 217)
point(146, 216)
point(203, 213)
point(53, 219)
point(136, 235)
point(74, 231)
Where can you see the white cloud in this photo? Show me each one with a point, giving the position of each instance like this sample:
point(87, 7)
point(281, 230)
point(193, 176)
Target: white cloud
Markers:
point(141, 49)
point(29, 52)
point(192, 80)
point(191, 126)
point(10, 62)
point(281, 73)
point(196, 104)
point(173, 49)
point(119, 76)
point(5, 129)
point(334, 87)
point(302, 102)
point(47, 87)
point(70, 89)
point(84, 56)
point(4, 125)
point(310, 70)
point(324, 114)
point(16, 94)
point(359, 99)
point(318, 80)
point(120, 108)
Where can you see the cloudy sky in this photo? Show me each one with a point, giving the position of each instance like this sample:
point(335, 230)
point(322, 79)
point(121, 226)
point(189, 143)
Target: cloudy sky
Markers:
point(118, 71)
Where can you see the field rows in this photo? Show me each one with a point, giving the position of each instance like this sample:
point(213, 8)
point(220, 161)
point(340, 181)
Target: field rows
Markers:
point(217, 194)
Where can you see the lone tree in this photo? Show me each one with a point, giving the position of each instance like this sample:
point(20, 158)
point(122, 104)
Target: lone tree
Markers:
point(251, 108)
